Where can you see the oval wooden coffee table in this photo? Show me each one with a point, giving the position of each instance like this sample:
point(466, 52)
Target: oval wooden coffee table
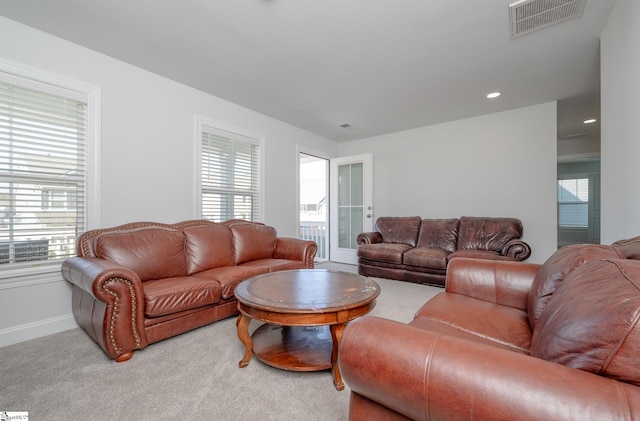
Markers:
point(305, 312)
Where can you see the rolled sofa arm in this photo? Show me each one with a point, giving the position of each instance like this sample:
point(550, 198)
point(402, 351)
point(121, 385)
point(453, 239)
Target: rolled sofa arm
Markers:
point(369, 238)
point(517, 250)
point(296, 249)
point(630, 247)
point(108, 303)
point(425, 375)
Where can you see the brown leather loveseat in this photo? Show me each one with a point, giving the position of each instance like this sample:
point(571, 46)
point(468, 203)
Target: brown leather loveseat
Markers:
point(418, 250)
point(143, 282)
point(508, 341)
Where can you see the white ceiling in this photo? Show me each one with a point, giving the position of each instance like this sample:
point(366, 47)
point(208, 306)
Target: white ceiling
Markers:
point(379, 65)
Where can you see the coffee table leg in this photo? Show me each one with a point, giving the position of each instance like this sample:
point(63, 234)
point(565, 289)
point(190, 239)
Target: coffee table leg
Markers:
point(336, 335)
point(243, 334)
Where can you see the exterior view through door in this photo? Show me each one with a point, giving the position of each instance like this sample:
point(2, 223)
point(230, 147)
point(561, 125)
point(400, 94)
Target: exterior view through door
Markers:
point(313, 200)
point(335, 198)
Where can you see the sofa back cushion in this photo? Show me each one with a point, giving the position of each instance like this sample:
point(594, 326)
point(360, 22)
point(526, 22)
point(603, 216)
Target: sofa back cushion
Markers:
point(152, 253)
point(208, 247)
point(481, 233)
point(399, 229)
point(253, 241)
point(591, 323)
point(439, 234)
point(556, 268)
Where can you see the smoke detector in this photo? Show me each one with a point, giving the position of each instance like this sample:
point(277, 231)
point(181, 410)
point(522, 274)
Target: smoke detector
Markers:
point(530, 15)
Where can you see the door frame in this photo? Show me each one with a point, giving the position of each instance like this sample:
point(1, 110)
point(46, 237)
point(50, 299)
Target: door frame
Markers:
point(336, 253)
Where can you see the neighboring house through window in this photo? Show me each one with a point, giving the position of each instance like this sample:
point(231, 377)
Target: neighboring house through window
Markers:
point(229, 172)
point(43, 169)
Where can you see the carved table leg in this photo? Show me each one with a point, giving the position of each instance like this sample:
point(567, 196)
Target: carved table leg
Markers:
point(243, 334)
point(336, 335)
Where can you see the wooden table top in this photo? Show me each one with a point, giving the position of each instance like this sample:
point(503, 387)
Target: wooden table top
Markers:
point(307, 291)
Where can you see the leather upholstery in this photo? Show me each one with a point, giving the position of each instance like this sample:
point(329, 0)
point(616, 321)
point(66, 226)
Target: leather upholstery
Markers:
point(630, 248)
point(477, 233)
point(399, 230)
point(139, 283)
point(470, 318)
point(383, 252)
point(419, 250)
point(207, 247)
point(592, 321)
point(253, 242)
point(439, 234)
point(172, 295)
point(471, 354)
point(556, 268)
point(152, 253)
point(422, 257)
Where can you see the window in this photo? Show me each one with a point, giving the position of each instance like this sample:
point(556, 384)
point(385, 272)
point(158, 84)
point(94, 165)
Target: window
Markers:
point(229, 175)
point(43, 175)
point(573, 203)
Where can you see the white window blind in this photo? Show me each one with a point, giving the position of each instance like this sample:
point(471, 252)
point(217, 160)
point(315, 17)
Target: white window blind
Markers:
point(229, 173)
point(573, 202)
point(42, 172)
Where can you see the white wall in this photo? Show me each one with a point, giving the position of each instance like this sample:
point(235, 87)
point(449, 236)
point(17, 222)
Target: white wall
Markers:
point(501, 164)
point(147, 159)
point(496, 165)
point(620, 102)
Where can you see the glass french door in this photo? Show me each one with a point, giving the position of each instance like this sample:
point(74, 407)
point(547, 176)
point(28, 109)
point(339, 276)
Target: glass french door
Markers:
point(351, 207)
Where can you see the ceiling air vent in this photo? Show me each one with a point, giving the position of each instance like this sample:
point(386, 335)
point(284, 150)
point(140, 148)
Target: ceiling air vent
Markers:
point(530, 15)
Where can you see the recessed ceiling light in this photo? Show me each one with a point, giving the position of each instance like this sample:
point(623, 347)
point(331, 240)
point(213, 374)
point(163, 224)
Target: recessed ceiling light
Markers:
point(591, 120)
point(493, 95)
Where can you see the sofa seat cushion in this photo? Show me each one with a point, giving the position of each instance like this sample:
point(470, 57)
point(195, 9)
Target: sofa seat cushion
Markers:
point(172, 295)
point(475, 319)
point(230, 276)
point(426, 258)
point(273, 265)
point(152, 253)
point(383, 252)
point(591, 323)
point(479, 254)
point(556, 268)
point(208, 247)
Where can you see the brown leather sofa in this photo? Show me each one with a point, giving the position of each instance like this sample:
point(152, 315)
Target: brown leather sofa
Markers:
point(418, 250)
point(143, 282)
point(508, 341)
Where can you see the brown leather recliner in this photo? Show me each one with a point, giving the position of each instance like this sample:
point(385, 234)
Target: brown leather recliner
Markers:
point(143, 282)
point(508, 341)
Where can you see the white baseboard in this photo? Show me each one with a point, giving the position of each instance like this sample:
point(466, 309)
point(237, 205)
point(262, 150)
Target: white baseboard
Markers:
point(28, 331)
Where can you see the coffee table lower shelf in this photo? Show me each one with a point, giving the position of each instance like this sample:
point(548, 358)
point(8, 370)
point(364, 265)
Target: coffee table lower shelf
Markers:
point(304, 312)
point(295, 348)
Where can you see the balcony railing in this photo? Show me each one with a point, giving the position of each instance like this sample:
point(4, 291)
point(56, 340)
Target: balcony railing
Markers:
point(316, 231)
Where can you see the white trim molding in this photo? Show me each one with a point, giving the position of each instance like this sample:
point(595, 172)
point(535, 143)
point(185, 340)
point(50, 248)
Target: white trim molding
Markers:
point(28, 331)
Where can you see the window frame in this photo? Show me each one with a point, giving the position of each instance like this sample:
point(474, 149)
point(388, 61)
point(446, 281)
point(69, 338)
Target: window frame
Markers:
point(586, 203)
point(45, 81)
point(202, 125)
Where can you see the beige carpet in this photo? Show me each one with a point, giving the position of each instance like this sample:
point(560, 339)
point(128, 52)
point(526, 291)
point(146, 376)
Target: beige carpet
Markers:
point(194, 376)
